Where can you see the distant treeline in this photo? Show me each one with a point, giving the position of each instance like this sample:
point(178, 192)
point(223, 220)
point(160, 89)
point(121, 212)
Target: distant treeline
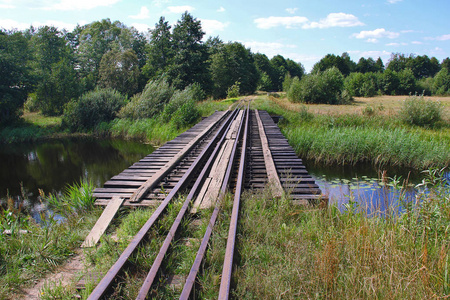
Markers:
point(45, 68)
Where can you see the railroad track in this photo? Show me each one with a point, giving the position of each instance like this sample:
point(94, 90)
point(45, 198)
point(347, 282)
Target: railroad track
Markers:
point(227, 152)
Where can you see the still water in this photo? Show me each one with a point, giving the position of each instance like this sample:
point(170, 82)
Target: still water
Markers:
point(52, 165)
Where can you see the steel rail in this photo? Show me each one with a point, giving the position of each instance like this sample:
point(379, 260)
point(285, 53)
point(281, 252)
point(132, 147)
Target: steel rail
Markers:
point(145, 288)
point(109, 277)
point(190, 281)
point(225, 283)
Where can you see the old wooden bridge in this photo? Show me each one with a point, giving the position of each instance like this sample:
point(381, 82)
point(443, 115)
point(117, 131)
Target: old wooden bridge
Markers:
point(226, 152)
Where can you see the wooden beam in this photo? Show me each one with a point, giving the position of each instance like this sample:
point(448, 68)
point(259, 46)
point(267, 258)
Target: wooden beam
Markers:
point(272, 175)
point(103, 222)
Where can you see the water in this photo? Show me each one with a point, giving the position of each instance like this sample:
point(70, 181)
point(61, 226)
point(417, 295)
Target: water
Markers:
point(52, 165)
point(371, 188)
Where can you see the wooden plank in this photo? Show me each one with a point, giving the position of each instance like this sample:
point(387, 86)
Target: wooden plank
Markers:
point(272, 174)
point(211, 188)
point(103, 222)
point(152, 181)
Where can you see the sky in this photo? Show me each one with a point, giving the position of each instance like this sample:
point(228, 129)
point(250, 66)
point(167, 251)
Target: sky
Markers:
point(302, 30)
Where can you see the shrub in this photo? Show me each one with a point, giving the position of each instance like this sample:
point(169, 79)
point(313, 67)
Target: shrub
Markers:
point(32, 103)
point(320, 87)
point(151, 102)
point(92, 108)
point(186, 114)
point(233, 91)
point(287, 82)
point(417, 110)
point(190, 94)
point(406, 82)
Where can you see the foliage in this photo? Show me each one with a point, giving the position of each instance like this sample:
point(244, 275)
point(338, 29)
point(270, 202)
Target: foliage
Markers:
point(15, 75)
point(232, 63)
point(189, 64)
point(92, 108)
point(233, 91)
point(77, 198)
point(441, 83)
point(361, 85)
point(150, 102)
point(181, 108)
point(419, 111)
point(119, 70)
point(343, 63)
point(320, 87)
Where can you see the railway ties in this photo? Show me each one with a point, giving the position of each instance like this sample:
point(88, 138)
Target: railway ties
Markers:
point(237, 151)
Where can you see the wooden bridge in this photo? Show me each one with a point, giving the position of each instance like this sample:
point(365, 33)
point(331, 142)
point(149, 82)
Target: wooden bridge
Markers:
point(228, 151)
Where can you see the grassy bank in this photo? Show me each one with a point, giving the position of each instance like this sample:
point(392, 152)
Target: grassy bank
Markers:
point(349, 135)
point(289, 252)
point(29, 251)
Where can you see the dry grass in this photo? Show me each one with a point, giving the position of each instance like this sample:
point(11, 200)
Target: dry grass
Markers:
point(385, 105)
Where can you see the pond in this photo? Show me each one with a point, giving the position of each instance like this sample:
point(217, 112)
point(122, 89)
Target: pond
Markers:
point(52, 165)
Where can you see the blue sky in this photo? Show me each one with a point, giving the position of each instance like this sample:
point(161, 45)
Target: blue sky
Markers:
point(302, 30)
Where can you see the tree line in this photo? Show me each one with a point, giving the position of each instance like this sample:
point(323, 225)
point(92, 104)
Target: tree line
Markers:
point(46, 68)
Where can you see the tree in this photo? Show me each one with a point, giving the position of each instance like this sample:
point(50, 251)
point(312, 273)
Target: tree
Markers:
point(446, 64)
point(99, 37)
point(379, 65)
point(406, 82)
point(119, 70)
point(295, 69)
point(53, 63)
point(343, 63)
point(279, 66)
point(397, 62)
point(423, 66)
point(160, 50)
point(265, 72)
point(15, 75)
point(233, 63)
point(190, 59)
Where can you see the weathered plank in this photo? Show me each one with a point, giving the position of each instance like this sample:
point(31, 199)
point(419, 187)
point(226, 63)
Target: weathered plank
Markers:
point(103, 222)
point(272, 174)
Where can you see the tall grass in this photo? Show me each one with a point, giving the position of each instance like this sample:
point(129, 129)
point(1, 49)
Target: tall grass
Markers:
point(27, 257)
point(289, 252)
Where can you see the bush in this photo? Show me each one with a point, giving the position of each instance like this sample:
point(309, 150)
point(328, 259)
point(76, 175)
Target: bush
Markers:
point(190, 95)
point(32, 104)
point(417, 110)
point(233, 91)
point(406, 82)
point(321, 87)
point(151, 102)
point(92, 108)
point(186, 114)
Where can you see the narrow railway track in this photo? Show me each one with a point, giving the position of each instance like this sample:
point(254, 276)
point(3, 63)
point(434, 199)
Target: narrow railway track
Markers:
point(227, 152)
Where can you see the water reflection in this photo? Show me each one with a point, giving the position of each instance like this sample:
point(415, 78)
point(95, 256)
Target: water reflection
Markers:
point(52, 165)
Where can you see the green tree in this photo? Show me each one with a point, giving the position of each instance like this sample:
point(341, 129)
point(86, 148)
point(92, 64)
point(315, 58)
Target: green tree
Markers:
point(379, 65)
point(344, 64)
point(53, 65)
point(446, 64)
point(119, 70)
point(406, 82)
point(160, 50)
point(233, 63)
point(97, 38)
point(189, 63)
point(441, 82)
point(265, 72)
point(15, 74)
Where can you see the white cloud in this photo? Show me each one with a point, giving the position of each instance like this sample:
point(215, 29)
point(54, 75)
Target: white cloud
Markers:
point(12, 24)
point(266, 48)
point(160, 3)
point(5, 4)
point(394, 1)
point(79, 4)
point(221, 9)
point(292, 10)
point(416, 43)
point(376, 34)
point(374, 41)
point(143, 14)
point(180, 9)
point(397, 44)
point(444, 37)
point(141, 27)
point(336, 20)
point(212, 26)
point(437, 52)
point(287, 22)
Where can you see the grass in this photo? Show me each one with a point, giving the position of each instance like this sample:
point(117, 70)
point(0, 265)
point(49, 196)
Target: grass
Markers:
point(348, 136)
point(289, 252)
point(27, 257)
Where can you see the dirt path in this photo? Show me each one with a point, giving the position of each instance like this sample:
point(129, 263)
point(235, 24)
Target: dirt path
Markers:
point(64, 275)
